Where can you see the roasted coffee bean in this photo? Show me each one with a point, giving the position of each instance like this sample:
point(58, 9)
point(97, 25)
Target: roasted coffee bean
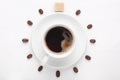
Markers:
point(78, 12)
point(29, 56)
point(30, 23)
point(40, 11)
point(92, 41)
point(58, 73)
point(75, 69)
point(87, 57)
point(25, 40)
point(40, 68)
point(89, 26)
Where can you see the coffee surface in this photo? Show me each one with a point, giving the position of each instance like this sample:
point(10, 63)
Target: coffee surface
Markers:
point(58, 39)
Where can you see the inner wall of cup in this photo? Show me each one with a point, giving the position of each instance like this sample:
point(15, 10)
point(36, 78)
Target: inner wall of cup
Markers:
point(58, 39)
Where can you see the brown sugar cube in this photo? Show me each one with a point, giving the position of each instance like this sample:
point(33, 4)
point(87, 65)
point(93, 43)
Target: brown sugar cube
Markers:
point(59, 7)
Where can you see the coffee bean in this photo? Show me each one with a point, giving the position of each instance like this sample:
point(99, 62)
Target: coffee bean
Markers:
point(25, 40)
point(58, 73)
point(29, 56)
point(75, 69)
point(89, 26)
point(78, 12)
point(92, 41)
point(30, 23)
point(41, 11)
point(87, 57)
point(40, 68)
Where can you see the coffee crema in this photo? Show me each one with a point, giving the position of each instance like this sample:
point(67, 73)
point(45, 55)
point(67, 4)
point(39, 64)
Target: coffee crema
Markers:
point(58, 39)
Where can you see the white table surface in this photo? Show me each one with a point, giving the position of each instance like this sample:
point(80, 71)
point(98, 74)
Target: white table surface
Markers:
point(103, 14)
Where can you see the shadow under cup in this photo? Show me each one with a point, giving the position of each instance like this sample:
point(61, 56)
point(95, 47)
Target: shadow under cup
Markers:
point(59, 39)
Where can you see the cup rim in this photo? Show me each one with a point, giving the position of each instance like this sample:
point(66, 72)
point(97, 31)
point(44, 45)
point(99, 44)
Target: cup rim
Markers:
point(58, 54)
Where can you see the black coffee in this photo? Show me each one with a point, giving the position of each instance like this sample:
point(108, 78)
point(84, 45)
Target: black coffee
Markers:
point(58, 39)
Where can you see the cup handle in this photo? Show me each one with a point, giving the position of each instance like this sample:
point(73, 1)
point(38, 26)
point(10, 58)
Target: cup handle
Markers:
point(45, 59)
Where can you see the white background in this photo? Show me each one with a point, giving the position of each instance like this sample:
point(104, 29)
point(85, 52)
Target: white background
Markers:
point(103, 14)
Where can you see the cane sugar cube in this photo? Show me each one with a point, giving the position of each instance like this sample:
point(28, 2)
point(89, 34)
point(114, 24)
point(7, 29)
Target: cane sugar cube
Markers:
point(59, 7)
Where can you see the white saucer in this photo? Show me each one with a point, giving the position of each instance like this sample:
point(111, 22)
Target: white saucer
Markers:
point(46, 56)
